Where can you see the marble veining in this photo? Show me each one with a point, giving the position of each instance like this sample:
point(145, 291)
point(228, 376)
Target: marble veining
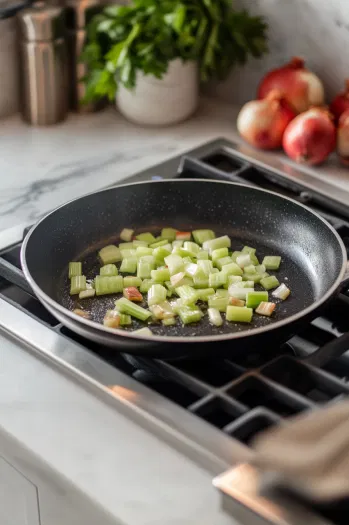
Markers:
point(317, 30)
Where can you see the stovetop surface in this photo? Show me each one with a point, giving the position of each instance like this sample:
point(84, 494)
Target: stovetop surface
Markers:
point(253, 392)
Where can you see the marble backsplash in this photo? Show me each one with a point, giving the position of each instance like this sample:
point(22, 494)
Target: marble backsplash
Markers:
point(317, 30)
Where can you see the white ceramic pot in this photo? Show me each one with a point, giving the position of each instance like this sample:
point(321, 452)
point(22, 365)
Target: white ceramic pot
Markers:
point(156, 102)
point(9, 81)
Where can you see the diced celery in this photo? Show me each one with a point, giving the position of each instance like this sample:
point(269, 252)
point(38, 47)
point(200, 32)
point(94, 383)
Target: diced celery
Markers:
point(75, 269)
point(138, 244)
point(200, 279)
point(243, 260)
point(201, 236)
point(128, 265)
point(187, 294)
point(216, 280)
point(142, 251)
point(261, 269)
point(125, 306)
point(147, 237)
point(219, 302)
point(108, 269)
point(270, 282)
point(177, 244)
point(223, 262)
point(160, 254)
point(146, 285)
point(189, 314)
point(215, 317)
point(204, 293)
point(160, 275)
point(110, 254)
point(180, 279)
point(127, 254)
point(253, 299)
point(232, 269)
point(250, 269)
point(162, 310)
point(125, 320)
point(232, 279)
point(168, 233)
point(255, 277)
point(202, 255)
point(215, 244)
point(132, 281)
point(176, 305)
point(158, 244)
point(222, 292)
point(206, 266)
point(239, 293)
point(174, 264)
point(239, 314)
point(87, 294)
point(156, 294)
point(191, 247)
point(77, 284)
point(235, 255)
point(181, 252)
point(143, 332)
point(187, 260)
point(126, 246)
point(171, 321)
point(191, 269)
point(126, 234)
point(272, 262)
point(219, 254)
point(105, 285)
point(252, 253)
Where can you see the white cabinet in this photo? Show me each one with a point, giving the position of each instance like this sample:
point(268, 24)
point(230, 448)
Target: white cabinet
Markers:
point(18, 497)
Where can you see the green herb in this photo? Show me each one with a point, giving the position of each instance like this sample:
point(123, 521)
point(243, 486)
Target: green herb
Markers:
point(147, 34)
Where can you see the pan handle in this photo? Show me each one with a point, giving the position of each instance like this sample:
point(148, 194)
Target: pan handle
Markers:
point(335, 348)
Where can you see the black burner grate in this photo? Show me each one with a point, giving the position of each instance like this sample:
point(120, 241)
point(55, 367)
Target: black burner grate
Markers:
point(257, 390)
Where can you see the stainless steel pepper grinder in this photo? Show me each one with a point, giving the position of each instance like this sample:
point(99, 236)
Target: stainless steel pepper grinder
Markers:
point(43, 64)
point(79, 13)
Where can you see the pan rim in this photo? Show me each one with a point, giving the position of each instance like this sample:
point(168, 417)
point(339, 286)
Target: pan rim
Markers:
point(184, 339)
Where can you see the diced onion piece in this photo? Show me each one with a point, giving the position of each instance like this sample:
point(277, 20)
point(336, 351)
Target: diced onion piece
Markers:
point(110, 254)
point(75, 269)
point(125, 306)
point(215, 317)
point(270, 282)
point(112, 319)
point(239, 293)
point(156, 294)
point(272, 262)
point(282, 292)
point(178, 279)
point(244, 260)
point(132, 294)
point(218, 302)
point(126, 234)
point(183, 236)
point(143, 331)
point(191, 269)
point(206, 266)
point(265, 308)
point(233, 301)
point(174, 263)
point(239, 314)
point(162, 310)
point(176, 305)
point(201, 236)
point(82, 313)
point(87, 294)
point(191, 247)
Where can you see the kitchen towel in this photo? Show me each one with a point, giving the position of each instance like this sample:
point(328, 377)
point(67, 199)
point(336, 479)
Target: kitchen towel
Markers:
point(308, 455)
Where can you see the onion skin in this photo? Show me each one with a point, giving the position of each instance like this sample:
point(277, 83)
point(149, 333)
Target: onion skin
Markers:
point(301, 88)
point(310, 137)
point(262, 123)
point(340, 103)
point(343, 138)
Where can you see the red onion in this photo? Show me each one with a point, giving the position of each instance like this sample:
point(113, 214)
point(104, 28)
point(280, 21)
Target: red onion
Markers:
point(340, 103)
point(343, 138)
point(310, 137)
point(301, 88)
point(262, 122)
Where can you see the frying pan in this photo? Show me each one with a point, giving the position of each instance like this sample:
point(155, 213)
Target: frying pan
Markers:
point(313, 259)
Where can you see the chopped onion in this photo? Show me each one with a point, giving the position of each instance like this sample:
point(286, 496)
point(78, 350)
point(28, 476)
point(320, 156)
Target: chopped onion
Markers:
point(234, 301)
point(244, 260)
point(82, 313)
point(282, 292)
point(112, 319)
point(265, 308)
point(132, 294)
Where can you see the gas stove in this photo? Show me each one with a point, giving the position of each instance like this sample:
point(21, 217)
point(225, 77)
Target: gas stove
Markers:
point(212, 409)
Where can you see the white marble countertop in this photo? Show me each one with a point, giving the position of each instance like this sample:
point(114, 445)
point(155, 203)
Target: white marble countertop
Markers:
point(41, 168)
